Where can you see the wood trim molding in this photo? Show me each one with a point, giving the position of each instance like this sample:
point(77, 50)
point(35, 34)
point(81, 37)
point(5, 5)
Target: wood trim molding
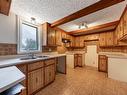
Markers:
point(115, 23)
point(88, 10)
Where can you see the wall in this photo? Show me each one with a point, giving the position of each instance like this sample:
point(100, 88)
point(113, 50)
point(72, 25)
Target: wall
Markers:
point(8, 34)
point(8, 28)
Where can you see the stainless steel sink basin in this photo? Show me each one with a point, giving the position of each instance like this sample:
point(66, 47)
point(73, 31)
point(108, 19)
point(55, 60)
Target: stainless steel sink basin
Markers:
point(35, 57)
point(27, 58)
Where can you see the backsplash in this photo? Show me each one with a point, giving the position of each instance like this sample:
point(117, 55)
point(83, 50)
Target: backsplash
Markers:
point(8, 49)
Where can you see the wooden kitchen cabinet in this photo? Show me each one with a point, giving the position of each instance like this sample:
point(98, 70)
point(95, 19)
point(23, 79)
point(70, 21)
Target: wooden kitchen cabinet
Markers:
point(49, 74)
point(72, 44)
point(106, 39)
point(35, 80)
point(5, 6)
point(78, 60)
point(38, 75)
point(110, 38)
point(120, 29)
point(77, 42)
point(64, 35)
point(49, 71)
point(125, 23)
point(81, 41)
point(102, 63)
point(102, 39)
point(49, 35)
point(58, 38)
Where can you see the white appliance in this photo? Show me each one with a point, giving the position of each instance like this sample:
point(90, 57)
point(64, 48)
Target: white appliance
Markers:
point(70, 60)
point(117, 68)
point(91, 56)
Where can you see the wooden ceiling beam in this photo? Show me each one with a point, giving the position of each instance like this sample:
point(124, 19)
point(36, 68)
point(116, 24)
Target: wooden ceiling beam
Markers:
point(115, 23)
point(88, 10)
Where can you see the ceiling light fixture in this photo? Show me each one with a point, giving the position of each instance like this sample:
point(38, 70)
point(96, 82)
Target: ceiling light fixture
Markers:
point(33, 20)
point(83, 25)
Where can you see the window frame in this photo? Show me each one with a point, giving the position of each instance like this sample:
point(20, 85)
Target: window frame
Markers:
point(19, 41)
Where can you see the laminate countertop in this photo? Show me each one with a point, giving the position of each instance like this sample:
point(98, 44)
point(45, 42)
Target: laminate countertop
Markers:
point(114, 55)
point(9, 77)
point(5, 62)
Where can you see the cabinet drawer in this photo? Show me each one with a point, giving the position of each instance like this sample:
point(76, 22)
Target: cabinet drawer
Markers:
point(36, 65)
point(49, 62)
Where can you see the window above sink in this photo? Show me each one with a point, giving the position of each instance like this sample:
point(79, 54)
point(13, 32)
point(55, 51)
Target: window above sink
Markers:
point(28, 37)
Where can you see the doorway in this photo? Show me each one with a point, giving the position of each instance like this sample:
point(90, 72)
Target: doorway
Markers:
point(91, 56)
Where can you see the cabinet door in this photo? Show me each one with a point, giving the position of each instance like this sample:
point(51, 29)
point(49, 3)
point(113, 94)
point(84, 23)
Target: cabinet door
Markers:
point(120, 29)
point(109, 39)
point(77, 41)
point(5, 6)
point(102, 65)
point(49, 74)
point(125, 23)
point(102, 40)
point(35, 80)
point(58, 38)
point(75, 60)
point(64, 35)
point(51, 37)
point(79, 60)
point(72, 44)
point(81, 41)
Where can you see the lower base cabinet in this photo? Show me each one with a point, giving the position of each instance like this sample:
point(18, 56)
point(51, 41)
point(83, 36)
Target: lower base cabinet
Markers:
point(103, 63)
point(78, 60)
point(35, 80)
point(38, 75)
point(49, 74)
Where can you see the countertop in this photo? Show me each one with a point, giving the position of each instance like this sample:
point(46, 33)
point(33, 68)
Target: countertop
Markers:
point(114, 55)
point(9, 77)
point(5, 62)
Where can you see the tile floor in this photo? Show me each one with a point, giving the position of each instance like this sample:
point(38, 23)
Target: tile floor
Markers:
point(84, 81)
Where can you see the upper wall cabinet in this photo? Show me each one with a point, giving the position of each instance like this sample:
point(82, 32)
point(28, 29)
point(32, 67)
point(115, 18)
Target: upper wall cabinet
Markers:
point(5, 6)
point(106, 39)
point(49, 35)
point(121, 30)
point(58, 38)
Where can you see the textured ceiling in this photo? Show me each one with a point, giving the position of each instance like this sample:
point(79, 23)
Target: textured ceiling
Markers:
point(106, 15)
point(53, 10)
point(48, 10)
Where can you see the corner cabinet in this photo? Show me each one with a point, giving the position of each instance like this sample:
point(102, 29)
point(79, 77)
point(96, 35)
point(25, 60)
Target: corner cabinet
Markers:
point(5, 6)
